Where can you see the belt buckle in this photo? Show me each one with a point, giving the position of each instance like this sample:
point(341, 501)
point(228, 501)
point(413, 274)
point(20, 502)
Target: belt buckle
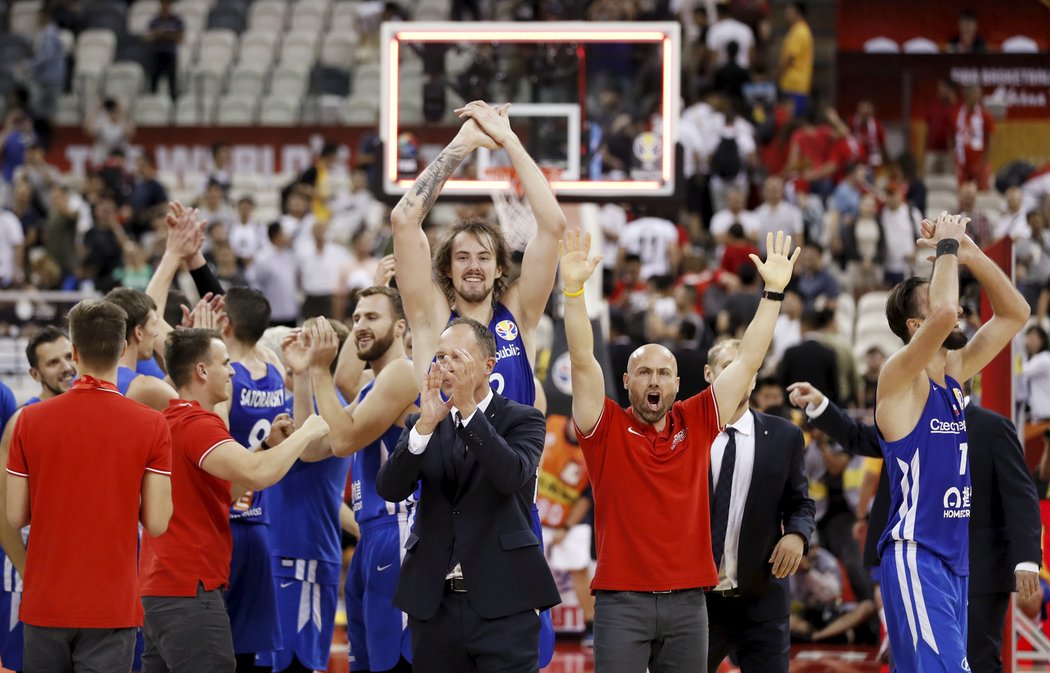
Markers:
point(456, 585)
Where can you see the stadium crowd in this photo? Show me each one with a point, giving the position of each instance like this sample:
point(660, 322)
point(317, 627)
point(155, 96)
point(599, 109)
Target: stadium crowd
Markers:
point(762, 152)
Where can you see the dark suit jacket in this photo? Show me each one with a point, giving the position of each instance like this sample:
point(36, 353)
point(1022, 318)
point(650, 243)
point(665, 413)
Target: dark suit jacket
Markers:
point(778, 502)
point(1005, 526)
point(814, 362)
point(480, 517)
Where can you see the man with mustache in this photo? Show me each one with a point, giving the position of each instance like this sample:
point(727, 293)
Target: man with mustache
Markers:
point(50, 355)
point(649, 469)
point(922, 432)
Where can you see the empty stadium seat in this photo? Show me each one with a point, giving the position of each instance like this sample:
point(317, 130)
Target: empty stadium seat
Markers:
point(22, 17)
point(337, 50)
point(194, 14)
point(270, 15)
point(872, 302)
point(96, 48)
point(153, 110)
point(228, 15)
point(208, 78)
point(361, 111)
point(124, 80)
point(920, 45)
point(289, 80)
point(344, 17)
point(299, 49)
point(192, 111)
point(140, 14)
point(279, 111)
point(69, 111)
point(236, 111)
point(258, 47)
point(248, 79)
point(309, 16)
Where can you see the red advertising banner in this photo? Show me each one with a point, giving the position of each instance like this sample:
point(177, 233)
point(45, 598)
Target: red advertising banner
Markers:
point(905, 85)
point(858, 22)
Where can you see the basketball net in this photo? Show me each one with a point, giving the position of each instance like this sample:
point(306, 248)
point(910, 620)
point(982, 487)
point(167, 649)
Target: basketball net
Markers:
point(512, 209)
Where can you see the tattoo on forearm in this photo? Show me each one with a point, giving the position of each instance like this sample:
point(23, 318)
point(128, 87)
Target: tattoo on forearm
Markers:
point(428, 186)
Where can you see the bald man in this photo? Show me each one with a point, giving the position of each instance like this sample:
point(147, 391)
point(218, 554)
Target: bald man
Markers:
point(649, 468)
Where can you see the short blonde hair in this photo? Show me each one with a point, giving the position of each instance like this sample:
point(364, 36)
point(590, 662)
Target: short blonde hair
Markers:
point(720, 348)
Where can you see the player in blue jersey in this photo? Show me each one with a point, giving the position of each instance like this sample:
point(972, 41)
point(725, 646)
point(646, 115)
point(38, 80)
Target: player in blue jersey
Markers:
point(922, 431)
point(258, 396)
point(50, 356)
point(142, 336)
point(367, 430)
point(466, 277)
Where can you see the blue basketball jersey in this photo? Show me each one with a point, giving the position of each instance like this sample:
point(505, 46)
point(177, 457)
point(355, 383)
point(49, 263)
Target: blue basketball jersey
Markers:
point(149, 367)
point(512, 376)
point(364, 500)
point(31, 400)
point(253, 406)
point(124, 378)
point(929, 477)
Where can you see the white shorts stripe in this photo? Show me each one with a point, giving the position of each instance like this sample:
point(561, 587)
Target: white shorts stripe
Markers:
point(902, 581)
point(905, 492)
point(909, 520)
point(920, 600)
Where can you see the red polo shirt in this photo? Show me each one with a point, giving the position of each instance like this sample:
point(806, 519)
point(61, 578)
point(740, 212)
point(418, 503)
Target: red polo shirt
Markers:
point(651, 509)
point(198, 544)
point(85, 453)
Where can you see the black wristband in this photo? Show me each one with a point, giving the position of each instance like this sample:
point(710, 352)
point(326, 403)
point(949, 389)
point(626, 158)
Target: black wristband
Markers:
point(772, 296)
point(947, 246)
point(264, 445)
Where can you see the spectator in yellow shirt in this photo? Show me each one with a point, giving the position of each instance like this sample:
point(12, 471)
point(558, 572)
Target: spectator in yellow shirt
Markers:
point(796, 59)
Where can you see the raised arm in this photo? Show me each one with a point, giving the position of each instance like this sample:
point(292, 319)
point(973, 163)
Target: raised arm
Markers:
point(732, 385)
point(1010, 312)
point(588, 381)
point(906, 365)
point(185, 237)
point(425, 304)
point(540, 262)
point(856, 437)
point(259, 469)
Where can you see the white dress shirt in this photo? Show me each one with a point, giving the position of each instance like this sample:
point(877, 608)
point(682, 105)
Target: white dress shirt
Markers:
point(742, 469)
point(417, 443)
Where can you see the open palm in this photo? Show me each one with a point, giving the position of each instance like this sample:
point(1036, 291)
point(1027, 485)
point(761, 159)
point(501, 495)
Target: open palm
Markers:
point(576, 266)
point(776, 270)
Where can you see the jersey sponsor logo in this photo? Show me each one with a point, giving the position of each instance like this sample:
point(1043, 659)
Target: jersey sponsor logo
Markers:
point(678, 439)
point(510, 351)
point(262, 399)
point(957, 503)
point(285, 585)
point(507, 330)
point(939, 427)
point(382, 568)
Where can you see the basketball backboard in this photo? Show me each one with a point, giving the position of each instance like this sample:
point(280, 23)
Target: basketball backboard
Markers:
point(598, 102)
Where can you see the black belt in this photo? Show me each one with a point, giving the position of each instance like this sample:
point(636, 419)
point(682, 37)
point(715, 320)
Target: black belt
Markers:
point(727, 593)
point(456, 585)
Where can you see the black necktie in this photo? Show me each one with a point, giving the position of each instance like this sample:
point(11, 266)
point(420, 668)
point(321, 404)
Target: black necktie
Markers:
point(723, 495)
point(459, 449)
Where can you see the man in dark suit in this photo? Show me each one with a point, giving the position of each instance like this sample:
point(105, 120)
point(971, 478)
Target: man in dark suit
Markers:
point(768, 508)
point(810, 360)
point(1005, 526)
point(474, 574)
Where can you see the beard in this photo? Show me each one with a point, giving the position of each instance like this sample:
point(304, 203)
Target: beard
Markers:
point(379, 347)
point(473, 294)
point(643, 411)
point(956, 340)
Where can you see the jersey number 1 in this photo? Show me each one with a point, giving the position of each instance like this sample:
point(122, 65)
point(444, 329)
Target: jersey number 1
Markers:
point(963, 449)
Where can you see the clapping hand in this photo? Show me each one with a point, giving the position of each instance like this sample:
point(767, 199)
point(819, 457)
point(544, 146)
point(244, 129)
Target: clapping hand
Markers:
point(295, 352)
point(776, 270)
point(185, 230)
point(209, 313)
point(384, 272)
point(576, 266)
point(432, 409)
point(322, 342)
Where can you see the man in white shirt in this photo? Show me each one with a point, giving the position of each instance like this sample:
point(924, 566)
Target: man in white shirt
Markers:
point(12, 244)
point(321, 265)
point(775, 214)
point(246, 235)
point(655, 241)
point(736, 199)
point(298, 222)
point(276, 274)
point(1014, 222)
point(756, 465)
point(725, 30)
point(900, 228)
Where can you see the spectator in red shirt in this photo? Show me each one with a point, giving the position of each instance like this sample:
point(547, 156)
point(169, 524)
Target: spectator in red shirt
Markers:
point(940, 127)
point(184, 571)
point(973, 139)
point(88, 456)
point(869, 133)
point(738, 250)
point(649, 474)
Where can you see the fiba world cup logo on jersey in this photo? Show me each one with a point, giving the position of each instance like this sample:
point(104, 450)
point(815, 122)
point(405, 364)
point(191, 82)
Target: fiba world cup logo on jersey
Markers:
point(507, 330)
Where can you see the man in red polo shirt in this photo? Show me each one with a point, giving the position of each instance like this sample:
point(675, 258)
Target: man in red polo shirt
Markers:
point(88, 465)
point(649, 474)
point(184, 571)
